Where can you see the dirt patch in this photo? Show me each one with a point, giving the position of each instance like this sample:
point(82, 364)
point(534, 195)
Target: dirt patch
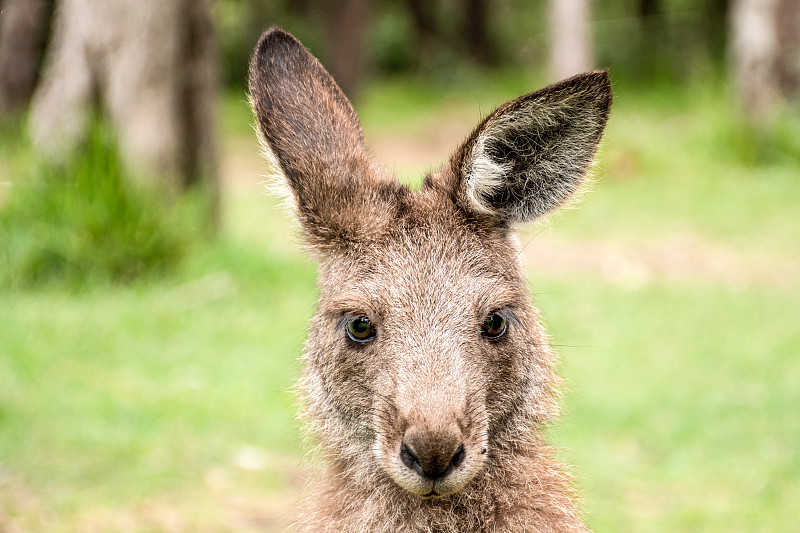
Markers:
point(677, 258)
point(423, 149)
point(231, 497)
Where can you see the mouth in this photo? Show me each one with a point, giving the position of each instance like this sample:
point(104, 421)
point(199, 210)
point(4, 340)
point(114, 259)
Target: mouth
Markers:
point(432, 494)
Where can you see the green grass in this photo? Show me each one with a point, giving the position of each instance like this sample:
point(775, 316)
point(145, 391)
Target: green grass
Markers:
point(111, 398)
point(84, 222)
point(164, 404)
point(681, 412)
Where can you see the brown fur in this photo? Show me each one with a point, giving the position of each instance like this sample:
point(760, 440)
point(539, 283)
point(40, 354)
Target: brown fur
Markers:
point(430, 426)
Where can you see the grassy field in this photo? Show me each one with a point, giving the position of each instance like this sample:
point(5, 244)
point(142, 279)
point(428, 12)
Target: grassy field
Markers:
point(672, 291)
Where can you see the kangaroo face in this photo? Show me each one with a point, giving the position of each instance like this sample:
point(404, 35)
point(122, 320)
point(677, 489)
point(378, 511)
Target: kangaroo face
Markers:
point(424, 358)
point(424, 348)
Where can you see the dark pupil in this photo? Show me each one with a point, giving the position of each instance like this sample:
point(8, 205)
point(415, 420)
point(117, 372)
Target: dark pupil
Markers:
point(494, 326)
point(361, 328)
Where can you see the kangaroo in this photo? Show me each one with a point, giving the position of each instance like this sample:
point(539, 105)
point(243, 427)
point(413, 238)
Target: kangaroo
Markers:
point(427, 375)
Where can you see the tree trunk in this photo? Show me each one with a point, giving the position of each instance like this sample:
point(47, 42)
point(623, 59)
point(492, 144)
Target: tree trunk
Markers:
point(788, 63)
point(23, 29)
point(150, 66)
point(424, 18)
point(571, 49)
point(716, 33)
point(345, 24)
point(476, 33)
point(754, 54)
point(428, 33)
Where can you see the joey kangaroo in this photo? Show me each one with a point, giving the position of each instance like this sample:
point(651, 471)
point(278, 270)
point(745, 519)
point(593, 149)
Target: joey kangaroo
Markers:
point(427, 375)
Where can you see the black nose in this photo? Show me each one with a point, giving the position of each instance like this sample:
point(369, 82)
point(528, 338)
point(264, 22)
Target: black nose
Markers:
point(432, 460)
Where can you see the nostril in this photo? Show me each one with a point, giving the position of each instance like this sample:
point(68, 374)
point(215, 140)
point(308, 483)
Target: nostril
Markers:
point(458, 457)
point(410, 459)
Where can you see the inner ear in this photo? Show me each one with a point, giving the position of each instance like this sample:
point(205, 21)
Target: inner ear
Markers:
point(531, 155)
point(529, 162)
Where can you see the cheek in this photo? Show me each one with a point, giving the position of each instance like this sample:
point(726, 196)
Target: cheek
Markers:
point(351, 378)
point(346, 375)
point(504, 366)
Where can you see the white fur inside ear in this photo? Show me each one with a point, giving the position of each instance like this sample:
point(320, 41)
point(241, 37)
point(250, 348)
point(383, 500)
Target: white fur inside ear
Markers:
point(484, 176)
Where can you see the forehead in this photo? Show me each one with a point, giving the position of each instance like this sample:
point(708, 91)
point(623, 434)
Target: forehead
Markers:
point(426, 260)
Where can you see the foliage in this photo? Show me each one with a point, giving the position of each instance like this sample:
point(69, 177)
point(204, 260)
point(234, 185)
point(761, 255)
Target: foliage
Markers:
point(239, 24)
point(83, 222)
point(674, 40)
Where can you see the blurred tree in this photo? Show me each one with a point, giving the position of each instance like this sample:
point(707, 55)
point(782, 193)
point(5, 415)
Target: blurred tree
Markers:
point(476, 35)
point(788, 63)
point(472, 35)
point(571, 49)
point(23, 31)
point(765, 44)
point(239, 23)
point(715, 31)
point(345, 22)
point(651, 27)
point(648, 8)
point(428, 34)
point(150, 67)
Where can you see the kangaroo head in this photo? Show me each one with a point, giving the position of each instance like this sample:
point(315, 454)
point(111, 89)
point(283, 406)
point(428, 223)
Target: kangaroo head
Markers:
point(425, 358)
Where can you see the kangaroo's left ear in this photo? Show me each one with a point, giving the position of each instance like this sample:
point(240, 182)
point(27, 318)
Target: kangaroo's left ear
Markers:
point(530, 155)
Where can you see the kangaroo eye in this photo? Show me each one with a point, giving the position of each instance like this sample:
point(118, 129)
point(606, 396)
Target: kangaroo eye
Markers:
point(494, 326)
point(360, 329)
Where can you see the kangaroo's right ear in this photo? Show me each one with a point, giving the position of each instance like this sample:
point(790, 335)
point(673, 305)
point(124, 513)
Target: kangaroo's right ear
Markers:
point(314, 134)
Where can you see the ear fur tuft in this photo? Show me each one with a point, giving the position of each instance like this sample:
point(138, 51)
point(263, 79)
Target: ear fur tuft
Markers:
point(531, 154)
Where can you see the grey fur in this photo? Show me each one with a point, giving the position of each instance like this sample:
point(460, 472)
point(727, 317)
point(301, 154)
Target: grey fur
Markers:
point(430, 425)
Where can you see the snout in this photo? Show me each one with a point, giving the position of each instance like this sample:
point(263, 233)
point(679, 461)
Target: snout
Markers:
point(432, 455)
point(433, 459)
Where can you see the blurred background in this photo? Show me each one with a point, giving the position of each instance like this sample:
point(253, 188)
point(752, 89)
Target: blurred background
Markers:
point(153, 299)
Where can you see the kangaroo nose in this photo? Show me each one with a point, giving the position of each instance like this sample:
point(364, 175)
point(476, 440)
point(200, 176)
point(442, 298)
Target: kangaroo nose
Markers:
point(432, 454)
